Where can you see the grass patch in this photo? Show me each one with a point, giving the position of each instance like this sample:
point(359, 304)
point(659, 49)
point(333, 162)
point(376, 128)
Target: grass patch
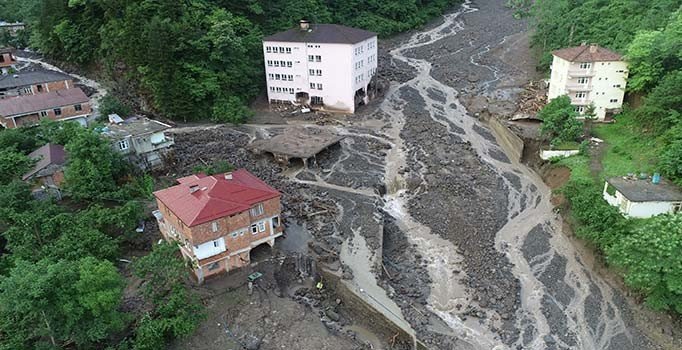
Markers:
point(629, 149)
point(579, 165)
point(567, 146)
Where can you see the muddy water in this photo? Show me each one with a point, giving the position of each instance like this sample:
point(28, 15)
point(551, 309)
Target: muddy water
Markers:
point(563, 305)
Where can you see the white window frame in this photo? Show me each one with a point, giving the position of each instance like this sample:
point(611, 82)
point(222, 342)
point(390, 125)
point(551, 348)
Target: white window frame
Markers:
point(583, 80)
point(585, 65)
point(254, 229)
point(261, 226)
point(581, 94)
point(123, 144)
point(214, 226)
point(43, 114)
point(258, 210)
point(268, 49)
point(312, 86)
point(318, 72)
point(319, 86)
point(318, 58)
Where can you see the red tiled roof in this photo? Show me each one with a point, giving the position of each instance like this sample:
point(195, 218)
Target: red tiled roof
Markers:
point(33, 103)
point(587, 53)
point(214, 196)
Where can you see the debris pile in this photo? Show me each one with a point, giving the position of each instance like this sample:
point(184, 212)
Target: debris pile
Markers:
point(531, 99)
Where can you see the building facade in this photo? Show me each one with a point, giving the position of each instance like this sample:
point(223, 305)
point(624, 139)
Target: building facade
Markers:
point(61, 105)
point(217, 220)
point(7, 60)
point(33, 83)
point(48, 169)
point(642, 198)
point(141, 140)
point(589, 74)
point(326, 66)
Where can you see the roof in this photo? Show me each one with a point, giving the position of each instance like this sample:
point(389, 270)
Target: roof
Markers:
point(323, 33)
point(33, 103)
point(201, 198)
point(31, 78)
point(638, 190)
point(297, 142)
point(47, 155)
point(587, 53)
point(133, 126)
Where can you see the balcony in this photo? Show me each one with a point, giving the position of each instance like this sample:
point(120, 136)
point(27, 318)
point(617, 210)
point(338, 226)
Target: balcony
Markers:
point(579, 87)
point(580, 101)
point(576, 73)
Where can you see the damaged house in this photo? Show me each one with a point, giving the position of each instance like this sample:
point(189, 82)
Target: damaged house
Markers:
point(60, 105)
point(326, 66)
point(7, 60)
point(217, 220)
point(33, 83)
point(141, 140)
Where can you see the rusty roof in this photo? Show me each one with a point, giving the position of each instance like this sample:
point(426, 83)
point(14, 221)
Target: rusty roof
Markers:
point(47, 155)
point(34, 103)
point(587, 53)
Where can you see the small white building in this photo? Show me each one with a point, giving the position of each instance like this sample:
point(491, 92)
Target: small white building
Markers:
point(642, 198)
point(589, 74)
point(141, 140)
point(327, 66)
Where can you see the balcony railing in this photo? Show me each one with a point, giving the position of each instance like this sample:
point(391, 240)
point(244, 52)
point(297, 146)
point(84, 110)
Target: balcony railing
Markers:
point(573, 73)
point(580, 101)
point(579, 87)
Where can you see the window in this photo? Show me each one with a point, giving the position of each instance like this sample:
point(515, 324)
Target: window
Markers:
point(613, 100)
point(123, 145)
point(26, 90)
point(275, 221)
point(288, 50)
point(257, 210)
point(281, 49)
point(269, 63)
point(311, 58)
point(268, 49)
point(279, 89)
point(289, 64)
point(214, 226)
point(311, 72)
point(585, 65)
point(312, 86)
point(261, 226)
point(318, 58)
point(43, 114)
point(276, 63)
point(40, 88)
point(291, 91)
point(677, 207)
point(235, 234)
point(277, 77)
point(213, 266)
point(316, 100)
point(254, 228)
point(579, 109)
point(620, 71)
point(57, 111)
point(581, 94)
point(78, 107)
point(271, 76)
point(319, 86)
point(318, 72)
point(617, 86)
point(290, 77)
point(582, 80)
point(283, 63)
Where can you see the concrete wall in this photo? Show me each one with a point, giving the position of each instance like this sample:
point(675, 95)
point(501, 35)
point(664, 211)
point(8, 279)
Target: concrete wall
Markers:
point(549, 154)
point(511, 143)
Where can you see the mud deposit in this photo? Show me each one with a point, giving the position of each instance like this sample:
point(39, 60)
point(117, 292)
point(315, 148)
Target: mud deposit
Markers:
point(424, 216)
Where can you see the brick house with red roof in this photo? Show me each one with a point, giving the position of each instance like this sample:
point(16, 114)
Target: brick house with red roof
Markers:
point(218, 219)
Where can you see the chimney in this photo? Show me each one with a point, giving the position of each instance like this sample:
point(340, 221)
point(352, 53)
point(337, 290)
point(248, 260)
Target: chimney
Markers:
point(304, 24)
point(228, 176)
point(593, 48)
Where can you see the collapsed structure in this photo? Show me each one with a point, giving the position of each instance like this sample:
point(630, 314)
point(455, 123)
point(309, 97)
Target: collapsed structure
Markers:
point(141, 140)
point(217, 220)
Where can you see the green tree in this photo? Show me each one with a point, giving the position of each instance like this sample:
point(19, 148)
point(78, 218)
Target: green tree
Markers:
point(559, 121)
point(93, 167)
point(177, 312)
point(109, 104)
point(53, 304)
point(653, 263)
point(12, 165)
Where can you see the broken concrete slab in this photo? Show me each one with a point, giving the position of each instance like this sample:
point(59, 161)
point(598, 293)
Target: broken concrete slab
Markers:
point(296, 142)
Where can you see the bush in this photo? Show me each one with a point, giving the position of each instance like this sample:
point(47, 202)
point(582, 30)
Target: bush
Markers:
point(109, 104)
point(559, 121)
point(218, 167)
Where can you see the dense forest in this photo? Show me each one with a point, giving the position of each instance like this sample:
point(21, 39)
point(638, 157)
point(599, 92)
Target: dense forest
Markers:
point(198, 59)
point(649, 34)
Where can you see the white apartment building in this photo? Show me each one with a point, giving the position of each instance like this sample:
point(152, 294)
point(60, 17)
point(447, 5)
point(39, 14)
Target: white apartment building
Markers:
point(589, 74)
point(327, 66)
